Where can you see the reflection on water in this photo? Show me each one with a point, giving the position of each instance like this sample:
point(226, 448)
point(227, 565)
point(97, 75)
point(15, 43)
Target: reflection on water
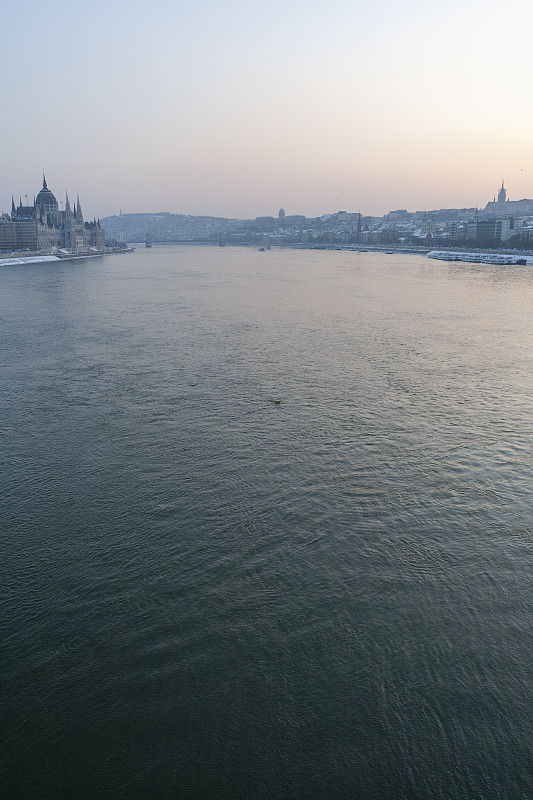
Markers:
point(208, 594)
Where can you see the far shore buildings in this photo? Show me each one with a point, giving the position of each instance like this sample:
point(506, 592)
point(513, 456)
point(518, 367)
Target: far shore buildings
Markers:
point(44, 228)
point(503, 207)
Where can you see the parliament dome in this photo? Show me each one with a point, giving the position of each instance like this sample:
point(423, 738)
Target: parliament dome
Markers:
point(46, 199)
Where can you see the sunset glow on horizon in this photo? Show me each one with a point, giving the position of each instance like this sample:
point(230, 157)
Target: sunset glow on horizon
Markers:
point(235, 109)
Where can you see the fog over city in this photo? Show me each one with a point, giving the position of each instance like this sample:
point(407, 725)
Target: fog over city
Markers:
point(235, 109)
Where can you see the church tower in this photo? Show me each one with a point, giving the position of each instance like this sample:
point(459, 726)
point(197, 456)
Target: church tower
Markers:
point(502, 195)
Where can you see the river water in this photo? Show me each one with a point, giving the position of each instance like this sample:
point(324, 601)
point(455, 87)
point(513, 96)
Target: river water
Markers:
point(209, 594)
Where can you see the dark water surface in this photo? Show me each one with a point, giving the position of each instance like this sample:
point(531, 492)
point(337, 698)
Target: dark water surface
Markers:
point(205, 594)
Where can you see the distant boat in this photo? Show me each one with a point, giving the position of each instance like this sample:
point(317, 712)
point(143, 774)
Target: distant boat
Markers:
point(261, 249)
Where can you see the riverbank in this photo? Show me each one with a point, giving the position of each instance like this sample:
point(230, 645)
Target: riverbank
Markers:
point(36, 258)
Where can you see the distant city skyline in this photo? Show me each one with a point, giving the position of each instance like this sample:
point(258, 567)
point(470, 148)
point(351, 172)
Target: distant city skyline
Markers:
point(502, 193)
point(236, 109)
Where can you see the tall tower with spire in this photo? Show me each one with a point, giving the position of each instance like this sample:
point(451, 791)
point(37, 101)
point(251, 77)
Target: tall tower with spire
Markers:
point(79, 215)
point(502, 195)
point(68, 227)
point(78, 225)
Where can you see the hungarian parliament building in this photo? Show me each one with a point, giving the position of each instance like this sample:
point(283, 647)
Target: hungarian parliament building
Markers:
point(44, 228)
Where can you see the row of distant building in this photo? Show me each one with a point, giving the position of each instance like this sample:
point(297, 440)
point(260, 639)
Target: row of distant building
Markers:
point(45, 228)
point(501, 221)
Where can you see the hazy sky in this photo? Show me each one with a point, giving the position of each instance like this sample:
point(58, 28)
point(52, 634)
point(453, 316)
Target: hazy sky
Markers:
point(237, 108)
